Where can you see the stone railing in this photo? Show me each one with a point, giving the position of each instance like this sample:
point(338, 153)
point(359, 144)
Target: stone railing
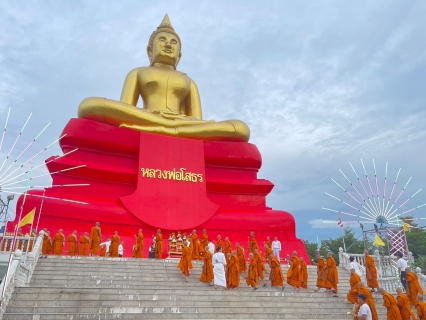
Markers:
point(19, 273)
point(359, 259)
point(22, 243)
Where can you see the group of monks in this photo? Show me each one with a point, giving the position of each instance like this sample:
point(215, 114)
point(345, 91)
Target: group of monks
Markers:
point(397, 309)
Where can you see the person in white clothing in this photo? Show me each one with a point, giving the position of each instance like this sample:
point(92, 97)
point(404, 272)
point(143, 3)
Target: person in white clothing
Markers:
point(211, 247)
point(107, 244)
point(354, 265)
point(402, 264)
point(276, 248)
point(121, 249)
point(219, 263)
point(364, 312)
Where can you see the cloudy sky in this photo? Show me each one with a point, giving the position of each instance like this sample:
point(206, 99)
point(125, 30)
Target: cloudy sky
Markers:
point(320, 83)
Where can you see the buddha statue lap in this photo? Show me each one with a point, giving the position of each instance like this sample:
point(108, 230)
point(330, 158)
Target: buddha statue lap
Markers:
point(171, 100)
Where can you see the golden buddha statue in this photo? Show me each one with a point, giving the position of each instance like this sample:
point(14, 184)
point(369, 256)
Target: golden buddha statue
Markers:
point(171, 100)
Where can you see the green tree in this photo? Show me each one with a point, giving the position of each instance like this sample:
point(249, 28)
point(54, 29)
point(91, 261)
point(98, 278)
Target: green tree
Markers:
point(312, 249)
point(416, 239)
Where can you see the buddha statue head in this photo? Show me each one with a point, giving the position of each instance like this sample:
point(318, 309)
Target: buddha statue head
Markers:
point(164, 45)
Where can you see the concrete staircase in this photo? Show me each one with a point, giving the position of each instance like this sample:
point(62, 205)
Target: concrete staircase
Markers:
point(106, 288)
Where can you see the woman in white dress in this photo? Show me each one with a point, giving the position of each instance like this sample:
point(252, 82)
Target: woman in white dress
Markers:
point(219, 263)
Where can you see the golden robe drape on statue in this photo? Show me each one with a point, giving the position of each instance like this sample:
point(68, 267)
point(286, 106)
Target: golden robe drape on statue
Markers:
point(72, 245)
point(413, 288)
point(390, 303)
point(252, 276)
point(293, 273)
point(276, 277)
point(303, 275)
point(95, 240)
point(159, 246)
point(320, 270)
point(137, 253)
point(207, 272)
point(404, 307)
point(84, 245)
point(113, 249)
point(371, 272)
point(58, 243)
point(241, 259)
point(353, 292)
point(185, 261)
point(369, 301)
point(332, 274)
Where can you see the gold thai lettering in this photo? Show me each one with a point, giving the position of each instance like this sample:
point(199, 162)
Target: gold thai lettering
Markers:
point(177, 175)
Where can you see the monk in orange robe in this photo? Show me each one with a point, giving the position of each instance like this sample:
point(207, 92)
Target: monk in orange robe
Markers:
point(276, 275)
point(391, 305)
point(228, 246)
point(268, 242)
point(413, 286)
point(49, 248)
point(219, 243)
point(45, 244)
point(84, 244)
point(138, 250)
point(58, 243)
point(371, 271)
point(320, 269)
point(253, 243)
point(354, 280)
point(95, 239)
point(252, 276)
point(72, 244)
point(115, 242)
point(362, 289)
point(332, 275)
point(268, 251)
point(404, 306)
point(293, 273)
point(207, 272)
point(195, 245)
point(234, 271)
point(185, 260)
point(104, 247)
point(204, 240)
point(421, 308)
point(242, 266)
point(159, 245)
point(303, 274)
point(260, 266)
point(32, 235)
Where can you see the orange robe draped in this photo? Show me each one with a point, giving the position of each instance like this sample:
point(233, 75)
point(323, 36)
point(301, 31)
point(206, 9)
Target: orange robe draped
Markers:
point(320, 270)
point(49, 245)
point(253, 245)
point(185, 261)
point(269, 244)
point(413, 288)
point(268, 252)
point(219, 243)
point(45, 245)
point(159, 246)
point(390, 303)
point(421, 310)
point(332, 274)
point(72, 245)
point(204, 241)
point(241, 259)
point(95, 240)
point(228, 247)
point(404, 307)
point(113, 249)
point(103, 251)
point(252, 276)
point(58, 243)
point(207, 273)
point(371, 272)
point(369, 301)
point(293, 273)
point(303, 275)
point(353, 292)
point(234, 272)
point(84, 245)
point(276, 276)
point(260, 266)
point(137, 252)
point(195, 247)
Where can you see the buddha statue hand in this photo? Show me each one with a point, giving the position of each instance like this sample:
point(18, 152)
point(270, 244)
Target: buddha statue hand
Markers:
point(171, 115)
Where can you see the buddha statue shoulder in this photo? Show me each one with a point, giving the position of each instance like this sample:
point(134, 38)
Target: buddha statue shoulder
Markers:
point(171, 102)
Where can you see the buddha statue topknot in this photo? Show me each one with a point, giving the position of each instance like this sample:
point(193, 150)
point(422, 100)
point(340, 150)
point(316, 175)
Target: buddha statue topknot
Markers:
point(171, 100)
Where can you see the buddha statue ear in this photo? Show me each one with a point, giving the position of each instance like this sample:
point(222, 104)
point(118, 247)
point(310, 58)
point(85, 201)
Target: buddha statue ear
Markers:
point(149, 52)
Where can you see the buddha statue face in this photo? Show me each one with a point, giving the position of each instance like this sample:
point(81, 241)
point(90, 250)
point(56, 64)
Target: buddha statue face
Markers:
point(165, 49)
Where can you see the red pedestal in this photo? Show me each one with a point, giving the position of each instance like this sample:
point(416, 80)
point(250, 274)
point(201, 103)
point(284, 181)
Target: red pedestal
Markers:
point(139, 180)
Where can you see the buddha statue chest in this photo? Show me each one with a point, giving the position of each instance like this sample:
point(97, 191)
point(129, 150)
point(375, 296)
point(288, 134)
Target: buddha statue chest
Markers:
point(163, 89)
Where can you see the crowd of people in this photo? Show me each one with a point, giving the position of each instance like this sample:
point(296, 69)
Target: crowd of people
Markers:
point(224, 265)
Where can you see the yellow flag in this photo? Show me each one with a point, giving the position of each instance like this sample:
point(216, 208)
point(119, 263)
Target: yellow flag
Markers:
point(406, 226)
point(28, 219)
point(378, 241)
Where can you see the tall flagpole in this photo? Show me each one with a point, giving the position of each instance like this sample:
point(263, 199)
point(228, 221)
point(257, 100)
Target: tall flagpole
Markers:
point(41, 208)
point(22, 209)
